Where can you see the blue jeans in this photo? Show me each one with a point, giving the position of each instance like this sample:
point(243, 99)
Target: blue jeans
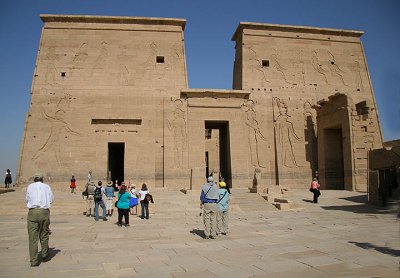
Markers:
point(145, 209)
point(96, 209)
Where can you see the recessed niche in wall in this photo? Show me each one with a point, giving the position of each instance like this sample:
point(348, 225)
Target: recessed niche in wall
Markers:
point(160, 59)
point(265, 63)
point(63, 74)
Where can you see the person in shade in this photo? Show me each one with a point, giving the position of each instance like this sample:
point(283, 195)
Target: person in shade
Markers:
point(39, 198)
point(8, 179)
point(123, 205)
point(208, 198)
point(223, 212)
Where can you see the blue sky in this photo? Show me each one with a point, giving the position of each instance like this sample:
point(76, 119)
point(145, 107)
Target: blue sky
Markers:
point(209, 49)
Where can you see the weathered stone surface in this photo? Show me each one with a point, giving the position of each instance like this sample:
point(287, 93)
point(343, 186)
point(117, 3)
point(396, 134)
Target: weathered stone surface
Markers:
point(111, 94)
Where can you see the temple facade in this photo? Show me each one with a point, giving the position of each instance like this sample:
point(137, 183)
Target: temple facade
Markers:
point(110, 94)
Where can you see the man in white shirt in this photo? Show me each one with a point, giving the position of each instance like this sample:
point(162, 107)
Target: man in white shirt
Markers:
point(38, 200)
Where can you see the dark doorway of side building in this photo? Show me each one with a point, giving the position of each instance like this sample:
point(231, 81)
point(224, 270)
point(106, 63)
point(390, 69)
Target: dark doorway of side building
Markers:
point(334, 165)
point(116, 157)
point(217, 150)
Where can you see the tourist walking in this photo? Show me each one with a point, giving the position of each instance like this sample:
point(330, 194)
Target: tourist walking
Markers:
point(144, 202)
point(8, 179)
point(89, 188)
point(133, 203)
point(314, 188)
point(123, 206)
point(109, 190)
point(39, 198)
point(223, 209)
point(208, 197)
point(73, 184)
point(98, 201)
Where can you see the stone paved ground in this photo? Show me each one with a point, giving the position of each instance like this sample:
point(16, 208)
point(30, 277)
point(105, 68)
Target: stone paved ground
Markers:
point(340, 237)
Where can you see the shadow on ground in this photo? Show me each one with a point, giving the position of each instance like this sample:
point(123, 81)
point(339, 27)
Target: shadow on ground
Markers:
point(198, 232)
point(384, 250)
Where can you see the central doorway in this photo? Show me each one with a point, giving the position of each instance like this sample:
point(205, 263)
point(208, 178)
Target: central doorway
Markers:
point(217, 154)
point(116, 157)
point(334, 166)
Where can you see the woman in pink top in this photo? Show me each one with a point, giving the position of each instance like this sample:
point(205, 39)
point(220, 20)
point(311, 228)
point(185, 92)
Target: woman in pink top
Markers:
point(314, 188)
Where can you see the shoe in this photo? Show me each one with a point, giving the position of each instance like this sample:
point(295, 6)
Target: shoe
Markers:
point(207, 237)
point(119, 225)
point(127, 225)
point(105, 219)
point(87, 215)
point(34, 265)
point(96, 219)
point(223, 234)
point(212, 237)
point(46, 259)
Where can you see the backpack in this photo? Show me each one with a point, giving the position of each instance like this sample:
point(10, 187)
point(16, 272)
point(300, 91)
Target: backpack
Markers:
point(97, 194)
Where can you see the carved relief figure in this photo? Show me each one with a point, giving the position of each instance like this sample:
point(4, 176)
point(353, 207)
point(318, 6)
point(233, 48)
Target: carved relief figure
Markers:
point(284, 134)
point(81, 54)
point(178, 127)
point(258, 61)
point(59, 128)
point(317, 66)
point(51, 72)
point(254, 133)
point(277, 66)
point(358, 80)
point(310, 136)
point(101, 59)
point(335, 69)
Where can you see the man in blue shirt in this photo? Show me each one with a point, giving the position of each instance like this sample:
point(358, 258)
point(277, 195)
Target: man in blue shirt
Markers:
point(208, 199)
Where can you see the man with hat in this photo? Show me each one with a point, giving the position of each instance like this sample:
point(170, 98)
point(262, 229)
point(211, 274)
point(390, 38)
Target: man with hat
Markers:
point(39, 198)
point(109, 190)
point(208, 199)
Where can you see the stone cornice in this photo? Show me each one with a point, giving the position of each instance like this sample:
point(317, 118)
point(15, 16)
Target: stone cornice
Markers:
point(294, 29)
point(113, 20)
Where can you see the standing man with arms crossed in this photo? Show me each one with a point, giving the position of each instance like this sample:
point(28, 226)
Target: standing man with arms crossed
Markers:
point(38, 200)
point(208, 198)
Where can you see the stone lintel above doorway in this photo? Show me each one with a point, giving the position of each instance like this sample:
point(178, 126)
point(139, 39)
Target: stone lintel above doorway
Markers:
point(214, 93)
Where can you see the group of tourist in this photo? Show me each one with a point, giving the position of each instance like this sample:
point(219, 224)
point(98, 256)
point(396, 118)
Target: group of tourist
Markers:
point(214, 202)
point(127, 202)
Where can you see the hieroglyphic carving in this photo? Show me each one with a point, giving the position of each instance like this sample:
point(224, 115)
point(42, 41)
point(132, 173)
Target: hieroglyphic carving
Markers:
point(59, 127)
point(317, 65)
point(178, 128)
point(284, 134)
point(358, 79)
point(301, 72)
point(335, 69)
point(254, 133)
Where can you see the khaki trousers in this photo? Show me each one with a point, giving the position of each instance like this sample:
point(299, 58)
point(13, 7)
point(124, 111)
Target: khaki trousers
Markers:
point(210, 211)
point(38, 228)
point(222, 222)
point(90, 205)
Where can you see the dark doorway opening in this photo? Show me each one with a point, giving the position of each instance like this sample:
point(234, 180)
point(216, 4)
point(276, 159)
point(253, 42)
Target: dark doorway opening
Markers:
point(334, 165)
point(218, 153)
point(116, 157)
